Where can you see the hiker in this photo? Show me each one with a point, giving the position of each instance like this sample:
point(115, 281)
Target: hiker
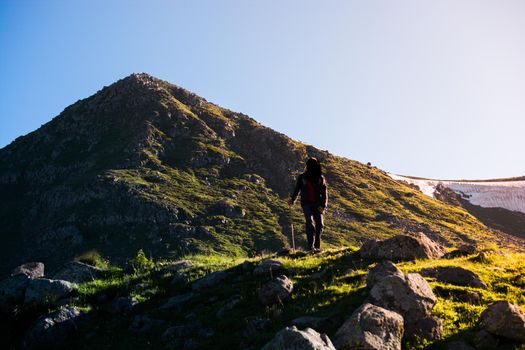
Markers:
point(314, 198)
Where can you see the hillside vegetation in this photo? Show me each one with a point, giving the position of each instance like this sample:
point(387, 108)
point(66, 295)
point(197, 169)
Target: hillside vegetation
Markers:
point(144, 164)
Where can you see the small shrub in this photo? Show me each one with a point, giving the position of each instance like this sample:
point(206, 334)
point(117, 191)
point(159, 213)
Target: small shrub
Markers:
point(141, 262)
point(93, 258)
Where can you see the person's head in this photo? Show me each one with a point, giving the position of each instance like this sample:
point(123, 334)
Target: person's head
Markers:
point(313, 168)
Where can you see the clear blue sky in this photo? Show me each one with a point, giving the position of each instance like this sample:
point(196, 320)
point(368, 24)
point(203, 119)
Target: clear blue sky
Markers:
point(426, 88)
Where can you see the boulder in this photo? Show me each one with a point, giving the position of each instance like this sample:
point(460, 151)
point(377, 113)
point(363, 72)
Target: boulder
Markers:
point(412, 297)
point(269, 266)
point(382, 270)
point(42, 291)
point(122, 305)
point(458, 345)
point(429, 328)
point(30, 269)
point(506, 320)
point(483, 340)
point(12, 291)
point(229, 305)
point(409, 295)
point(292, 338)
point(177, 302)
point(455, 275)
point(371, 327)
point(78, 272)
point(276, 290)
point(210, 280)
point(308, 322)
point(402, 247)
point(463, 250)
point(178, 265)
point(53, 330)
point(143, 324)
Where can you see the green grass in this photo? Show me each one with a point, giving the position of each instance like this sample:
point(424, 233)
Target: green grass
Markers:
point(337, 290)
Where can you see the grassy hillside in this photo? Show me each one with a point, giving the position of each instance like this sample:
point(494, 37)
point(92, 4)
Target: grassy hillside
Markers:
point(331, 284)
point(146, 164)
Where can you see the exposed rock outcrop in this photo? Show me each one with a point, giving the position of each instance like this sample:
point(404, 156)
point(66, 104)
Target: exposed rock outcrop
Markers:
point(455, 275)
point(371, 327)
point(505, 320)
point(276, 290)
point(292, 338)
point(402, 247)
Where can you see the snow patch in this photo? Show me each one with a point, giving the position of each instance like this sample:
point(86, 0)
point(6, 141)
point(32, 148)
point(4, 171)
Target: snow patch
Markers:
point(491, 194)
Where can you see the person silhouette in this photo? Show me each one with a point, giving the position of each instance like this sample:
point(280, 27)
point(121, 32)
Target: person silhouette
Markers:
point(314, 199)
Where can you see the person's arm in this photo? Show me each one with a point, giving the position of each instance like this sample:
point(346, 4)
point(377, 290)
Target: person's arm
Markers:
point(324, 193)
point(296, 190)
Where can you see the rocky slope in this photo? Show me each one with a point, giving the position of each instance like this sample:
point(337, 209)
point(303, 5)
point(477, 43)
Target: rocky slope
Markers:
point(146, 164)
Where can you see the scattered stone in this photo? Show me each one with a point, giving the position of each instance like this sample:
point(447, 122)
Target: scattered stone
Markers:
point(122, 305)
point(463, 250)
point(308, 322)
point(293, 338)
point(143, 324)
point(458, 345)
point(429, 328)
point(371, 327)
point(52, 330)
point(454, 275)
point(178, 265)
point(229, 305)
point(460, 295)
point(402, 247)
point(276, 290)
point(483, 340)
point(382, 270)
point(410, 295)
point(269, 266)
point(78, 272)
point(30, 269)
point(12, 291)
point(506, 320)
point(185, 331)
point(177, 302)
point(210, 280)
point(42, 291)
point(179, 278)
point(255, 327)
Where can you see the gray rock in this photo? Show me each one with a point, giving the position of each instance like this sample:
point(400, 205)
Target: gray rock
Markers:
point(483, 340)
point(276, 290)
point(53, 330)
point(174, 334)
point(269, 266)
point(229, 305)
point(143, 324)
point(178, 265)
point(177, 302)
point(179, 278)
point(410, 295)
point(256, 326)
point(211, 280)
point(428, 328)
point(458, 345)
point(308, 322)
point(12, 291)
point(402, 247)
point(123, 305)
point(382, 270)
point(42, 291)
point(30, 269)
point(292, 338)
point(506, 320)
point(78, 272)
point(371, 327)
point(455, 275)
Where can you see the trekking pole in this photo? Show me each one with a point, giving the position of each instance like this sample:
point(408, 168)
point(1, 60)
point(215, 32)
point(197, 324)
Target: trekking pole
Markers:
point(293, 236)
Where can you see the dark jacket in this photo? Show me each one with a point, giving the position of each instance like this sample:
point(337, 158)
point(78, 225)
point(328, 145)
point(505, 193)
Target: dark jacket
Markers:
point(320, 189)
